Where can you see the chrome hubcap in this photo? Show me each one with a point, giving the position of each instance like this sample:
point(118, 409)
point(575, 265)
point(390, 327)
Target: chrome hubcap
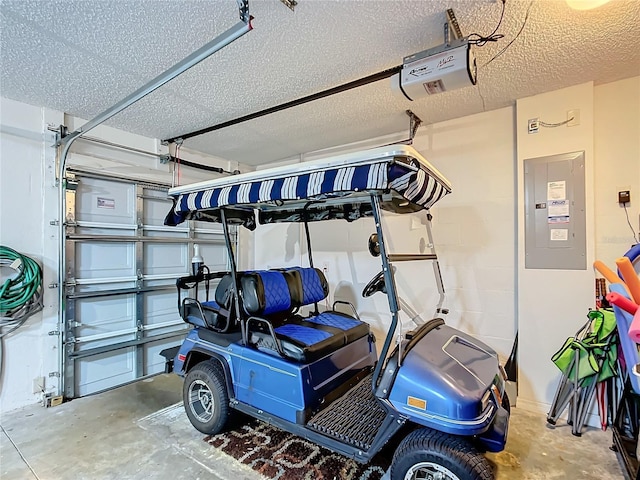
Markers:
point(201, 401)
point(429, 471)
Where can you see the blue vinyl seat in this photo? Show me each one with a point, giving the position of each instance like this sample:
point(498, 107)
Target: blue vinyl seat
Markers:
point(313, 288)
point(268, 297)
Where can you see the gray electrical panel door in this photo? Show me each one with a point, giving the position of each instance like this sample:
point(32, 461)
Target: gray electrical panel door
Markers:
point(554, 202)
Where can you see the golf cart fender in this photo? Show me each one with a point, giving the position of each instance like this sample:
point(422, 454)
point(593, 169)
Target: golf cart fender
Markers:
point(191, 354)
point(445, 382)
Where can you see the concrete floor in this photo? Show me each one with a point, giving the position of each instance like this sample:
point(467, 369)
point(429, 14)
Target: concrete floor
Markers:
point(137, 432)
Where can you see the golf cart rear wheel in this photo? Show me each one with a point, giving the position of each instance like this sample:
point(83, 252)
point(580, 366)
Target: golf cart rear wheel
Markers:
point(205, 397)
point(427, 454)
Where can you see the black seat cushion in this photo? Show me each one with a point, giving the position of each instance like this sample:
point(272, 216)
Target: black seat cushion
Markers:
point(201, 314)
point(298, 342)
point(352, 328)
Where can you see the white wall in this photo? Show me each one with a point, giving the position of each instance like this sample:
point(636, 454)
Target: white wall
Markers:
point(28, 202)
point(24, 226)
point(474, 226)
point(617, 165)
point(552, 304)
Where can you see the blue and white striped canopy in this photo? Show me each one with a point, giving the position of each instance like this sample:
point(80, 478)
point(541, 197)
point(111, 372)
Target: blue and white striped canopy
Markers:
point(347, 179)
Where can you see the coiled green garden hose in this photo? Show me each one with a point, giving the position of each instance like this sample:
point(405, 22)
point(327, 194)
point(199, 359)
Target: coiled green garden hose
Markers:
point(23, 289)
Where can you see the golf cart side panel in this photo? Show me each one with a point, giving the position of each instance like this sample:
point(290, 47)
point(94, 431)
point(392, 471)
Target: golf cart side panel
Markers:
point(290, 390)
point(330, 372)
point(270, 383)
point(443, 380)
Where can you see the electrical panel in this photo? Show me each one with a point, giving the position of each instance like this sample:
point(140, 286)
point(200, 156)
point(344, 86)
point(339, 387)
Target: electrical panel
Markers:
point(555, 220)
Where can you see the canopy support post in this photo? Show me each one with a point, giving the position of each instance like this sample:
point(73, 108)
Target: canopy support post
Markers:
point(390, 285)
point(234, 272)
point(436, 269)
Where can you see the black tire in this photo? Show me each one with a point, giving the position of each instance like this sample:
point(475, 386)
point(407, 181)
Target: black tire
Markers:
point(427, 451)
point(205, 397)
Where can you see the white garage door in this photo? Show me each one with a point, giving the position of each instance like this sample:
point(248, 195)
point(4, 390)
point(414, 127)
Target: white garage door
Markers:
point(120, 294)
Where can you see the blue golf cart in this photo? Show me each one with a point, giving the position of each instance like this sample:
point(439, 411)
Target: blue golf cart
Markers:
point(263, 345)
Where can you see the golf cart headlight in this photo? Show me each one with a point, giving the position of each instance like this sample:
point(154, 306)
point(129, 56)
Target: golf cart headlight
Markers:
point(485, 400)
point(503, 373)
point(497, 394)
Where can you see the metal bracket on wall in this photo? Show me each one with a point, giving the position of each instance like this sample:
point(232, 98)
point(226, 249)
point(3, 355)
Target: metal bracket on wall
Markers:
point(243, 6)
point(414, 124)
point(451, 27)
point(290, 4)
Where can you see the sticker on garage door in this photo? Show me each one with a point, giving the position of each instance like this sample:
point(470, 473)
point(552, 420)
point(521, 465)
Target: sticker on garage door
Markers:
point(106, 203)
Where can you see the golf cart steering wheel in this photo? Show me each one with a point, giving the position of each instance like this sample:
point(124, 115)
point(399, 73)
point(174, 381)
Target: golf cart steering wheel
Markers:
point(376, 284)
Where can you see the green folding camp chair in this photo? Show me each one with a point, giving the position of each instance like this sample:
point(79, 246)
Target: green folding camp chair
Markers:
point(585, 359)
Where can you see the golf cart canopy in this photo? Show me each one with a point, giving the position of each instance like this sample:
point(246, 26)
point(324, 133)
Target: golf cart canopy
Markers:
point(334, 188)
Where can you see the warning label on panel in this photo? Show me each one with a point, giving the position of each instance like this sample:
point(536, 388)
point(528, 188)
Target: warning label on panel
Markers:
point(106, 203)
point(434, 87)
point(558, 211)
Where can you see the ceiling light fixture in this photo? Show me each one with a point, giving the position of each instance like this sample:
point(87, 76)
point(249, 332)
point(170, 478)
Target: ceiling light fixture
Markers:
point(585, 4)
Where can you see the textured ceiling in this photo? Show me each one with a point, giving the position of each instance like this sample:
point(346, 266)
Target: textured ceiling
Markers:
point(82, 56)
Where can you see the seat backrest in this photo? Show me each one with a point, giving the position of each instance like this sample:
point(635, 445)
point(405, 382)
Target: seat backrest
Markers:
point(266, 292)
point(313, 286)
point(223, 293)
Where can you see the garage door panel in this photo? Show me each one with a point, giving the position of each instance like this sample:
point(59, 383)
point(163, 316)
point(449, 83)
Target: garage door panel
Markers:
point(174, 234)
point(101, 372)
point(155, 210)
point(102, 287)
point(214, 256)
point(154, 362)
point(105, 201)
point(160, 307)
point(165, 258)
point(121, 306)
point(179, 328)
point(213, 227)
point(104, 320)
point(105, 260)
point(124, 231)
point(162, 282)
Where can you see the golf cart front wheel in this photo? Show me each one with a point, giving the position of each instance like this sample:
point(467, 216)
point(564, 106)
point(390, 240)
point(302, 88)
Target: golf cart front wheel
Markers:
point(427, 454)
point(205, 398)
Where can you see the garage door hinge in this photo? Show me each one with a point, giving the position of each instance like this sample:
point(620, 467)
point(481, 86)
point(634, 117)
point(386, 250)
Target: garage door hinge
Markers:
point(54, 374)
point(53, 285)
point(54, 223)
point(54, 332)
point(71, 184)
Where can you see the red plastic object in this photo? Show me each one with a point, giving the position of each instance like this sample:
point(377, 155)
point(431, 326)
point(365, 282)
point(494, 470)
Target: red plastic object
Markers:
point(622, 302)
